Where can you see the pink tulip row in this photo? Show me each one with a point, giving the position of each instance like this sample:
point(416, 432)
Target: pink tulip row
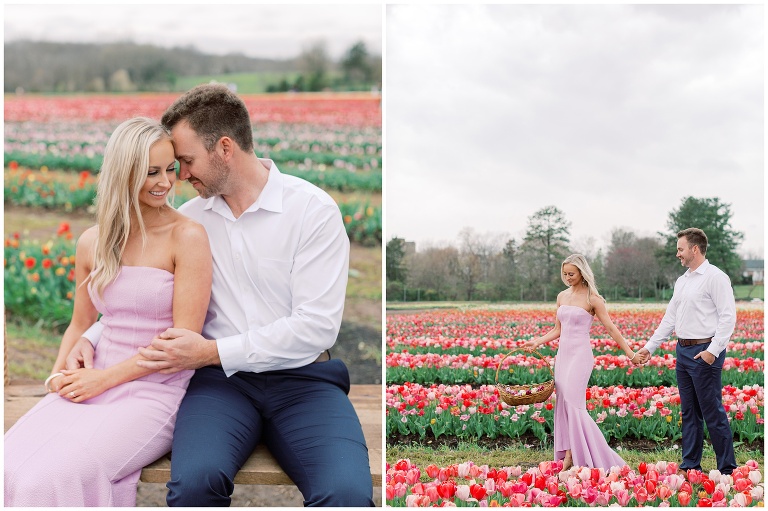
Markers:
point(531, 362)
point(658, 484)
point(509, 344)
point(331, 110)
point(524, 323)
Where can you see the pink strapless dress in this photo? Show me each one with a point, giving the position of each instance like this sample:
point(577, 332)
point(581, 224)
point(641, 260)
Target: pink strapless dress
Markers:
point(574, 427)
point(91, 454)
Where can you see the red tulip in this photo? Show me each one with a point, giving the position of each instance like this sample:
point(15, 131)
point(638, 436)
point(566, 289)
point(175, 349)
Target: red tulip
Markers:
point(643, 467)
point(540, 482)
point(741, 485)
point(718, 495)
point(704, 503)
point(709, 486)
point(527, 478)
point(686, 487)
point(477, 491)
point(641, 495)
point(432, 471)
point(447, 489)
point(684, 498)
point(650, 486)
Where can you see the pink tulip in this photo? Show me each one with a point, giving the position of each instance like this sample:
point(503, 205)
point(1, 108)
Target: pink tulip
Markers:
point(752, 464)
point(432, 471)
point(412, 476)
point(575, 491)
point(664, 503)
point(412, 500)
point(462, 491)
point(505, 488)
point(443, 475)
point(390, 492)
point(432, 493)
point(464, 470)
point(695, 476)
point(400, 490)
point(603, 498)
point(641, 495)
point(622, 497)
point(549, 500)
point(589, 495)
point(742, 484)
point(515, 471)
point(418, 489)
point(490, 486)
point(672, 468)
point(757, 492)
point(755, 476)
point(719, 503)
point(664, 492)
point(517, 499)
point(519, 487)
point(739, 500)
point(684, 498)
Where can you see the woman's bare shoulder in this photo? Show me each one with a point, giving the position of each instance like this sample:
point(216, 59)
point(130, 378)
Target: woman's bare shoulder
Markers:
point(188, 232)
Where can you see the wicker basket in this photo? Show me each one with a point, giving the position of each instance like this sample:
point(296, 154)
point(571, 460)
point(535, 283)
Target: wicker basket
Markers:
point(525, 394)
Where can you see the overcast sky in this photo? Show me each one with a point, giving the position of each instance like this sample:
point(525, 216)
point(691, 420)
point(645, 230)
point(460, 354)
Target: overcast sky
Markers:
point(269, 31)
point(612, 113)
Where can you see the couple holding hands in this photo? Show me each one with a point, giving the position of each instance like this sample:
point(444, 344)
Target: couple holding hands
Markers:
point(702, 313)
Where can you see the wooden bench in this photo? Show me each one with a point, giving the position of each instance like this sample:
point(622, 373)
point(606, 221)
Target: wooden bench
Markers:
point(261, 467)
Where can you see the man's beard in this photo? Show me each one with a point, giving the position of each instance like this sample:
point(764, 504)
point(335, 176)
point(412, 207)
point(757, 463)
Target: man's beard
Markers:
point(219, 172)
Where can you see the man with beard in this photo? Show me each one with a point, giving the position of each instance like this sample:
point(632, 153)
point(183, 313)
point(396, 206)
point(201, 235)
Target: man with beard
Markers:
point(702, 313)
point(281, 259)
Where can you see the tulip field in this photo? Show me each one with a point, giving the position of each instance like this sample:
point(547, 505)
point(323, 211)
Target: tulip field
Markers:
point(441, 371)
point(54, 147)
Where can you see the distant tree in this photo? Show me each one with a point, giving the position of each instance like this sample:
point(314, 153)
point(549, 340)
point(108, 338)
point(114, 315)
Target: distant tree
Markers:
point(714, 218)
point(631, 264)
point(433, 272)
point(546, 245)
point(356, 64)
point(315, 65)
point(395, 261)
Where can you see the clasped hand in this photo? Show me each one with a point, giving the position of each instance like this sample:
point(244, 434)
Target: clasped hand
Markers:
point(529, 346)
point(81, 384)
point(177, 349)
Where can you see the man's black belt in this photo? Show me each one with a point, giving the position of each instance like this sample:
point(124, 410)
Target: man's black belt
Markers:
point(693, 342)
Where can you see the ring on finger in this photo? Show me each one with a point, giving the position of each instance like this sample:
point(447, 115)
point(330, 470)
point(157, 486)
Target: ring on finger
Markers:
point(72, 394)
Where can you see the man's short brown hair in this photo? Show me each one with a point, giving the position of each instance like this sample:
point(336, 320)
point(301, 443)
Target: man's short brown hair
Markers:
point(212, 111)
point(696, 237)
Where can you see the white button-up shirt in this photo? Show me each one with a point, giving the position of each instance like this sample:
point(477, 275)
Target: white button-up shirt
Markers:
point(702, 306)
point(279, 275)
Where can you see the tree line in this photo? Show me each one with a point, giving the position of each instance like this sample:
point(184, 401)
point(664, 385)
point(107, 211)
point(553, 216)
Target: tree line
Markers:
point(49, 67)
point(496, 268)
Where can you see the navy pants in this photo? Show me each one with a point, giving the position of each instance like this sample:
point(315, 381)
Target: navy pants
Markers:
point(302, 415)
point(701, 398)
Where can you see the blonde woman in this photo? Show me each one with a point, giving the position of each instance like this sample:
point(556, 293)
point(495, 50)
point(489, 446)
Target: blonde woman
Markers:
point(144, 267)
point(578, 440)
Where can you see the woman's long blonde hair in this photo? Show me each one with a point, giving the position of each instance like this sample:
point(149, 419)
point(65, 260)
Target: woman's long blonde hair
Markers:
point(123, 173)
point(588, 278)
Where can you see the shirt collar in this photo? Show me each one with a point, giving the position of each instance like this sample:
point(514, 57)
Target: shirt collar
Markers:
point(701, 269)
point(270, 198)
